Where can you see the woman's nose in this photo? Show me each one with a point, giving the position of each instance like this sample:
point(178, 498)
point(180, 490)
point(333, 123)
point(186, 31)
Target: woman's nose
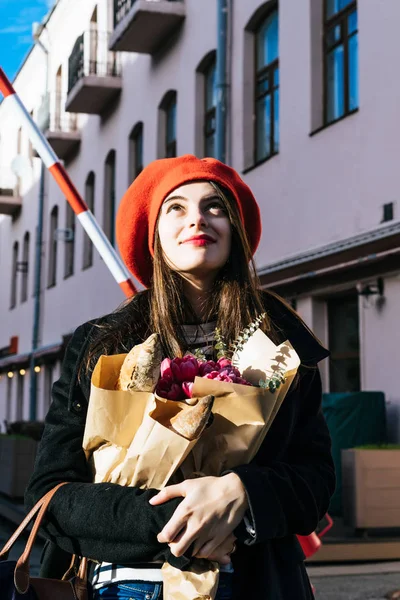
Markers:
point(197, 219)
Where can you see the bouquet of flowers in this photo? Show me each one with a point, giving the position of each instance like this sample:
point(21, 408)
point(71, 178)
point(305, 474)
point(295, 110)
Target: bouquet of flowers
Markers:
point(151, 419)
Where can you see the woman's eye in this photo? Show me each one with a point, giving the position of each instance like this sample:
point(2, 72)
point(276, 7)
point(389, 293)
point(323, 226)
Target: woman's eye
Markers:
point(174, 207)
point(216, 207)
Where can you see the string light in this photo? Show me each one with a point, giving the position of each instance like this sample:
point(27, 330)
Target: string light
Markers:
point(22, 372)
point(10, 374)
point(37, 369)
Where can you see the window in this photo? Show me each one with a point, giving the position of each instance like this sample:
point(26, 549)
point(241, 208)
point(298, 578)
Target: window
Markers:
point(69, 246)
point(344, 344)
point(87, 242)
point(266, 134)
point(14, 270)
point(210, 104)
point(109, 196)
point(24, 267)
point(167, 125)
point(52, 275)
point(135, 152)
point(341, 58)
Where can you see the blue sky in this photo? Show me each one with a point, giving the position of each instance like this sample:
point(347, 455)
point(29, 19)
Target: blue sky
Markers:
point(16, 18)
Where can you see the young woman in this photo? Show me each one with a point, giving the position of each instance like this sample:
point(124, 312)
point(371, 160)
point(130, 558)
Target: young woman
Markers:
point(187, 229)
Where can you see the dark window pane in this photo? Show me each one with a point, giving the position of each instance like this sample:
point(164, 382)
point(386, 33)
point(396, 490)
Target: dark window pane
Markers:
point(344, 344)
point(333, 36)
point(353, 72)
point(276, 121)
point(352, 24)
point(344, 375)
point(335, 84)
point(262, 86)
point(171, 122)
point(343, 325)
point(335, 6)
point(211, 90)
point(263, 149)
point(267, 41)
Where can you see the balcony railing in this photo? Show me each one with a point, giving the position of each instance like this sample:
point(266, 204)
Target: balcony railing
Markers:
point(10, 199)
point(59, 127)
point(145, 25)
point(94, 74)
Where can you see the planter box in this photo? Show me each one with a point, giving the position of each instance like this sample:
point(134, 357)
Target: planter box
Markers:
point(371, 488)
point(17, 457)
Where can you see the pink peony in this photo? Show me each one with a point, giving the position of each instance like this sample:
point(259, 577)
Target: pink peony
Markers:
point(207, 366)
point(189, 368)
point(187, 387)
point(169, 390)
point(166, 371)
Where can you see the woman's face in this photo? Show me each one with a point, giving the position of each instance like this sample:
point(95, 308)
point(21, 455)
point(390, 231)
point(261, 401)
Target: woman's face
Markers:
point(194, 230)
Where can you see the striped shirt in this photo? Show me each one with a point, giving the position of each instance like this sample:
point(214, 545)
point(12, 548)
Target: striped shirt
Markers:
point(198, 337)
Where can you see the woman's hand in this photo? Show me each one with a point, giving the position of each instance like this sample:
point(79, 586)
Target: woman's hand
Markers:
point(222, 554)
point(212, 508)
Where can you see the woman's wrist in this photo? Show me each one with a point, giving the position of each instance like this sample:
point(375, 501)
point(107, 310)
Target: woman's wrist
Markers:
point(237, 490)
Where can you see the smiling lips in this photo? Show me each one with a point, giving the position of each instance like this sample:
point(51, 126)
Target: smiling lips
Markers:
point(200, 240)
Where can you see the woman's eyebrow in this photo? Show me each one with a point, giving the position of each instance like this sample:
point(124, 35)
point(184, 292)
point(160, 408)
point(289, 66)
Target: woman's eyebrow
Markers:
point(207, 197)
point(174, 198)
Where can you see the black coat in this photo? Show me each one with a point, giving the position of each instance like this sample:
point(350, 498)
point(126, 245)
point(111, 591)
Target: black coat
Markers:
point(289, 483)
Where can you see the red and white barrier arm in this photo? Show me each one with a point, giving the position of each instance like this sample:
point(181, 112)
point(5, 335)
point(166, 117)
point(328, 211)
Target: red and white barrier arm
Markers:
point(80, 208)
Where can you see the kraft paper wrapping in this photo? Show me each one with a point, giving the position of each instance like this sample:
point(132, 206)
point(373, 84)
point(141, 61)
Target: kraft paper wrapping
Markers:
point(127, 440)
point(242, 418)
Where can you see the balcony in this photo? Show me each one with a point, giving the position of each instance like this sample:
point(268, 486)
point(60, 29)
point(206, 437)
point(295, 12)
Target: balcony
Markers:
point(60, 128)
point(94, 75)
point(145, 25)
point(10, 199)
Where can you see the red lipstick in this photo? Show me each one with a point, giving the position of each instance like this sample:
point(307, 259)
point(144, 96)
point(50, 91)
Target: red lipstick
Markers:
point(200, 240)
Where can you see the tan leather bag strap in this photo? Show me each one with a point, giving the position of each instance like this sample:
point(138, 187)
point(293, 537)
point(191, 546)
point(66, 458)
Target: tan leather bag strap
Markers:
point(21, 573)
point(46, 499)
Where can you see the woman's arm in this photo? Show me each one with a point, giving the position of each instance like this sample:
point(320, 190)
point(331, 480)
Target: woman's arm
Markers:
point(286, 497)
point(290, 496)
point(100, 521)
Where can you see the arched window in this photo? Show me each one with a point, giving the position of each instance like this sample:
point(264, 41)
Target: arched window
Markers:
point(267, 88)
point(53, 243)
point(206, 98)
point(135, 152)
point(24, 267)
point(167, 126)
point(109, 196)
point(89, 199)
point(14, 271)
point(69, 245)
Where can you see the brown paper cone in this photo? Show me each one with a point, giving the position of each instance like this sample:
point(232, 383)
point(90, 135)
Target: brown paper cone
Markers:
point(201, 582)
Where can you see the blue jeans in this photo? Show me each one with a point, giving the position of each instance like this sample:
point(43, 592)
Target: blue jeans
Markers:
point(153, 591)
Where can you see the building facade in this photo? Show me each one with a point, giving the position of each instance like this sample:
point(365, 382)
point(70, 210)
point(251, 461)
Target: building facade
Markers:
point(312, 109)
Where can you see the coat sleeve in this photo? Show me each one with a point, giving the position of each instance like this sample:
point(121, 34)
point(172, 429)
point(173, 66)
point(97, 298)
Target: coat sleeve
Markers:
point(290, 496)
point(100, 521)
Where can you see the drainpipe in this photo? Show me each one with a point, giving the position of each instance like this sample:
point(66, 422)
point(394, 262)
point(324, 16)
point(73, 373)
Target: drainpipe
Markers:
point(38, 265)
point(221, 80)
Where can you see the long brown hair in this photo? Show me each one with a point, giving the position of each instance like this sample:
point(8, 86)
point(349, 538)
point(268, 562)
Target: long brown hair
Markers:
point(234, 302)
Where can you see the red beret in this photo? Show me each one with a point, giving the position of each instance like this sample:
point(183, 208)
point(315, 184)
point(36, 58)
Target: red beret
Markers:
point(138, 210)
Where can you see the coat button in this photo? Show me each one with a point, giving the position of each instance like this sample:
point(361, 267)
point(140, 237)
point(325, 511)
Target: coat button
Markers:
point(77, 406)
